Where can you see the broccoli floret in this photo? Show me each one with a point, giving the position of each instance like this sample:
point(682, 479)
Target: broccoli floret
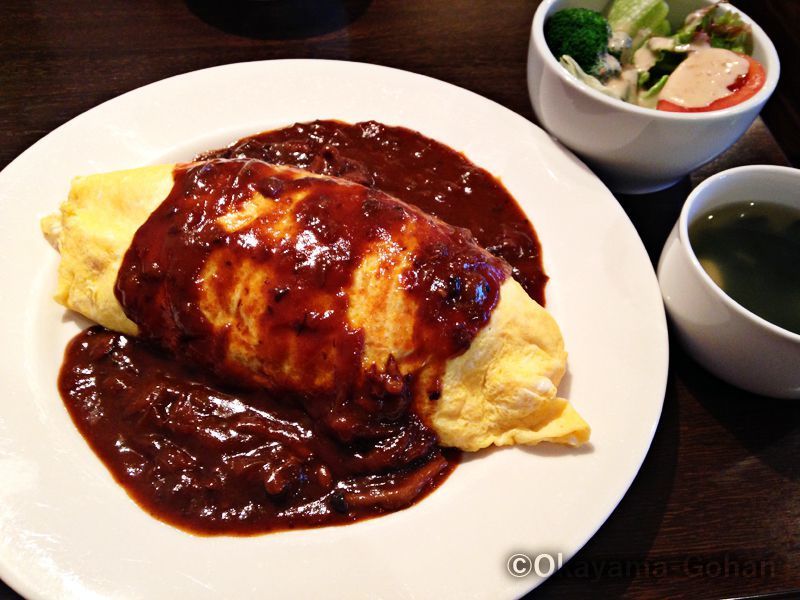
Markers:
point(582, 34)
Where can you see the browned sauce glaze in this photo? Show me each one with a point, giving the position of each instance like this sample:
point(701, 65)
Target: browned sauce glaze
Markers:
point(309, 242)
point(416, 169)
point(195, 439)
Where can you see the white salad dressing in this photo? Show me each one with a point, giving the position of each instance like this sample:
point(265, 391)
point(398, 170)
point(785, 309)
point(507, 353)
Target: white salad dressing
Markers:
point(623, 84)
point(704, 77)
point(644, 58)
point(661, 43)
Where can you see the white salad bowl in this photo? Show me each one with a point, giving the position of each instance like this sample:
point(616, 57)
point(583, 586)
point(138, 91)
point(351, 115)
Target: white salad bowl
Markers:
point(632, 148)
point(723, 336)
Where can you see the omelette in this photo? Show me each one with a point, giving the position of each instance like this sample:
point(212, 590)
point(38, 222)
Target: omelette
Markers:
point(273, 277)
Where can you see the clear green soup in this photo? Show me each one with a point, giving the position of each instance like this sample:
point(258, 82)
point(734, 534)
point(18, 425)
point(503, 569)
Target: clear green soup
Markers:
point(752, 251)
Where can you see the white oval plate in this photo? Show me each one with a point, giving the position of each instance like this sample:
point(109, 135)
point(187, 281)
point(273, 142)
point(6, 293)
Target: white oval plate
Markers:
point(68, 530)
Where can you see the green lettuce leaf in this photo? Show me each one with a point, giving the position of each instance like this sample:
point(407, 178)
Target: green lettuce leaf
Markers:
point(632, 16)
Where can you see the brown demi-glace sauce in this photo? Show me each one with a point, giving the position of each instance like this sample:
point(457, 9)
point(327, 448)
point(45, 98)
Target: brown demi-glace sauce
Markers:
point(216, 458)
point(415, 169)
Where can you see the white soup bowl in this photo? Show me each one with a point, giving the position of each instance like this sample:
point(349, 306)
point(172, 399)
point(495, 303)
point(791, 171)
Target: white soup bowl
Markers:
point(723, 336)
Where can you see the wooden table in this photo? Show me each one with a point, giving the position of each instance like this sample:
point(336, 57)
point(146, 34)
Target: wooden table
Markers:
point(715, 510)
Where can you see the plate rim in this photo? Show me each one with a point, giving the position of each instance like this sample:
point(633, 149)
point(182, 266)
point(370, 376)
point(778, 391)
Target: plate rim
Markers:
point(28, 588)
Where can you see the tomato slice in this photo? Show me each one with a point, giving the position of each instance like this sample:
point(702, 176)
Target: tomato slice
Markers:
point(741, 90)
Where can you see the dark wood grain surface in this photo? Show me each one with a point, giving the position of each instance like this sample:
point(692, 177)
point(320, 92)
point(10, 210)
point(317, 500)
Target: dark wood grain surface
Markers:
point(715, 510)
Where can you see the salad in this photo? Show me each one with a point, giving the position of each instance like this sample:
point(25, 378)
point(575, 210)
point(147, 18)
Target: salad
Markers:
point(631, 53)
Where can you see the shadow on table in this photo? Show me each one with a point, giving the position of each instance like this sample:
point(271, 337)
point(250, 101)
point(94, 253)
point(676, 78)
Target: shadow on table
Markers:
point(6, 593)
point(611, 560)
point(278, 19)
point(655, 214)
point(767, 427)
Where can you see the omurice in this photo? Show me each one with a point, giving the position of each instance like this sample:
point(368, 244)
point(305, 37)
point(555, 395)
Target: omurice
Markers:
point(312, 338)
